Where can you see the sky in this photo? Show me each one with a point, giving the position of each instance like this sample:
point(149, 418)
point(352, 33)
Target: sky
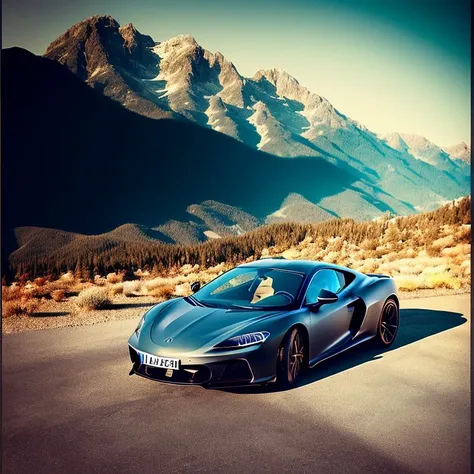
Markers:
point(393, 65)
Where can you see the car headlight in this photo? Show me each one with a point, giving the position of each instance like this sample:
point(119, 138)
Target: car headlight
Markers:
point(245, 340)
point(140, 324)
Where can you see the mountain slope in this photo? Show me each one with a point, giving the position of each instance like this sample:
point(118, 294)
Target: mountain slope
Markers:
point(460, 151)
point(76, 160)
point(296, 208)
point(271, 112)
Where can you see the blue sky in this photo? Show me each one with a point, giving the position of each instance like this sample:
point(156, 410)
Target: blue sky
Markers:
point(392, 65)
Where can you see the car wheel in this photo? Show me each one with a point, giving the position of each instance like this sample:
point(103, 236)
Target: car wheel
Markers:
point(388, 323)
point(290, 359)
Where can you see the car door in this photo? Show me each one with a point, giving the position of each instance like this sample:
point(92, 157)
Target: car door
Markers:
point(329, 326)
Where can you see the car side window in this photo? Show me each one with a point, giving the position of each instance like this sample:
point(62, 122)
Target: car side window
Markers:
point(326, 279)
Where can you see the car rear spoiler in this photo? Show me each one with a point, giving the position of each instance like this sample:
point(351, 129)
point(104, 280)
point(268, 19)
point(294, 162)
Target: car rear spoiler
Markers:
point(377, 275)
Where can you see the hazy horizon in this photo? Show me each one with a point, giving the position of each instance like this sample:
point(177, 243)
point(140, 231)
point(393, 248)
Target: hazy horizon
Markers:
point(393, 66)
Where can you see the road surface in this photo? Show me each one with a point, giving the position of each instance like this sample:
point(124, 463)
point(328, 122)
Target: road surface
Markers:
point(70, 406)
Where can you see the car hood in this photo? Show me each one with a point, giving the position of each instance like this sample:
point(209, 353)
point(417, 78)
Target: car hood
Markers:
point(191, 327)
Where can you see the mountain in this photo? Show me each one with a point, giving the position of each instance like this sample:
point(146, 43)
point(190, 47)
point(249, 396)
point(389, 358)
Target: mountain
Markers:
point(270, 112)
point(296, 208)
point(76, 160)
point(113, 59)
point(461, 152)
point(421, 149)
point(210, 219)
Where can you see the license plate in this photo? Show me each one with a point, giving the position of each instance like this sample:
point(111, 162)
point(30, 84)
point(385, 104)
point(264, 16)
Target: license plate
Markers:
point(157, 361)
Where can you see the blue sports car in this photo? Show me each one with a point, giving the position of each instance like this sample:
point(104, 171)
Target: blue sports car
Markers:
point(263, 322)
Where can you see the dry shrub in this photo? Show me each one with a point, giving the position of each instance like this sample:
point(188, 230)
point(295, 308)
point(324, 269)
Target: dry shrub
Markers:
point(93, 298)
point(99, 281)
point(11, 293)
point(132, 288)
point(41, 291)
point(443, 242)
point(141, 274)
point(332, 257)
point(114, 278)
point(443, 280)
point(11, 308)
point(40, 281)
point(433, 251)
point(58, 295)
point(335, 245)
point(188, 268)
point(183, 289)
point(368, 266)
point(464, 234)
point(409, 282)
point(24, 305)
point(116, 289)
point(67, 277)
point(163, 292)
point(291, 254)
point(151, 285)
point(369, 244)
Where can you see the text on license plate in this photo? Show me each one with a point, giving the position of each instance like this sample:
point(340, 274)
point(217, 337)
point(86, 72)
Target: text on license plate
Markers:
point(157, 361)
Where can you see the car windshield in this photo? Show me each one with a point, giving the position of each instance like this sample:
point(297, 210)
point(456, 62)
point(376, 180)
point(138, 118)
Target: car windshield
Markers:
point(251, 288)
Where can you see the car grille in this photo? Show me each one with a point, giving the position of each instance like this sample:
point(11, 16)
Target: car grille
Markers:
point(212, 374)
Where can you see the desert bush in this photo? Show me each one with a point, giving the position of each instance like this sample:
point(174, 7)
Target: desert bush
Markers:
point(443, 280)
point(42, 291)
point(24, 305)
point(114, 277)
point(11, 293)
point(67, 277)
point(335, 245)
point(433, 251)
point(99, 281)
point(369, 244)
point(116, 289)
point(163, 292)
point(11, 308)
point(464, 234)
point(132, 288)
point(409, 282)
point(40, 281)
point(183, 290)
point(58, 295)
point(93, 298)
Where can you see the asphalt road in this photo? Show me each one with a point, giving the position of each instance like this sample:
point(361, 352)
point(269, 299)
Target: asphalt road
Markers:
point(70, 406)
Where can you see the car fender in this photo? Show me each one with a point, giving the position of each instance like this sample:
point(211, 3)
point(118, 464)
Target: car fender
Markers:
point(374, 292)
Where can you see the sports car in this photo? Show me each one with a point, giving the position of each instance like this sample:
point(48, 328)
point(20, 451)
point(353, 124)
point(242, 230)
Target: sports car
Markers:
point(263, 322)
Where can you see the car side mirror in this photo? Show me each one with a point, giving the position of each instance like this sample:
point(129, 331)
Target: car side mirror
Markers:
point(195, 286)
point(326, 296)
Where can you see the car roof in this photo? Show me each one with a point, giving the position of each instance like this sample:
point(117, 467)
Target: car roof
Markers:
point(302, 266)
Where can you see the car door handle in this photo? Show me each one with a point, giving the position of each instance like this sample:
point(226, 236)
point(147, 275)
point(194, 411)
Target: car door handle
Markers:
point(350, 308)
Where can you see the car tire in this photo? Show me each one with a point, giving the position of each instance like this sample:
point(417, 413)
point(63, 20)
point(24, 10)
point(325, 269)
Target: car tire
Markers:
point(389, 322)
point(291, 352)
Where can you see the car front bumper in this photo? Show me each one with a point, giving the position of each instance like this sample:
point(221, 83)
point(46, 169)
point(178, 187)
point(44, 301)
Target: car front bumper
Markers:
point(215, 372)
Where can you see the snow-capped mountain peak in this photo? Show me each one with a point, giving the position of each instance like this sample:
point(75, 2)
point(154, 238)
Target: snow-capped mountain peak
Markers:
point(460, 151)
